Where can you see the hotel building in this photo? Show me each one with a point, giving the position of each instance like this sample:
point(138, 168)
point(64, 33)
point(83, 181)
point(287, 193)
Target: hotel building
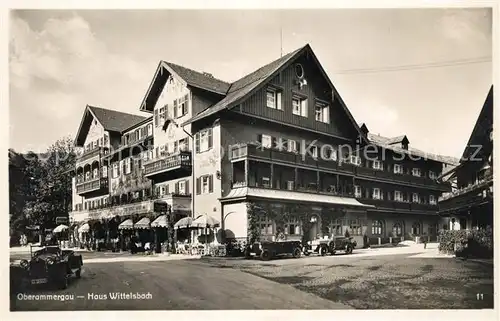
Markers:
point(280, 140)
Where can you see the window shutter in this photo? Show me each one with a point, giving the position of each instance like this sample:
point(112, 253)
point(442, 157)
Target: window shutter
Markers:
point(210, 138)
point(273, 142)
point(118, 169)
point(175, 108)
point(210, 183)
point(177, 188)
point(150, 129)
point(198, 186)
point(259, 138)
point(278, 101)
point(197, 142)
point(187, 186)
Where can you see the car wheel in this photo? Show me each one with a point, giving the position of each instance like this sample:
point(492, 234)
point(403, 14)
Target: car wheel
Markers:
point(307, 253)
point(297, 252)
point(323, 250)
point(265, 255)
point(78, 273)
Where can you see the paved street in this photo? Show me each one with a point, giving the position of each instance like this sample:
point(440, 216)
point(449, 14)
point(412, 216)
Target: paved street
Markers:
point(175, 285)
point(364, 280)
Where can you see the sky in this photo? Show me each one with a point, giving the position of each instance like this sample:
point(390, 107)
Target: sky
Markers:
point(424, 73)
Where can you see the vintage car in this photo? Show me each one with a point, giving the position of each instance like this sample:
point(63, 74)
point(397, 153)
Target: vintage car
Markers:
point(268, 250)
point(51, 265)
point(331, 245)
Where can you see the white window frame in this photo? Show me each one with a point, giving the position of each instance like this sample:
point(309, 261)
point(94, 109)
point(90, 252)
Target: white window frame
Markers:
point(415, 198)
point(105, 171)
point(266, 182)
point(398, 196)
point(128, 166)
point(322, 112)
point(292, 146)
point(377, 165)
point(432, 175)
point(150, 129)
point(266, 141)
point(314, 151)
point(398, 169)
point(205, 188)
point(204, 146)
point(432, 200)
point(115, 170)
point(275, 101)
point(357, 191)
point(290, 185)
point(299, 106)
point(377, 194)
point(357, 160)
point(416, 172)
point(182, 188)
point(163, 190)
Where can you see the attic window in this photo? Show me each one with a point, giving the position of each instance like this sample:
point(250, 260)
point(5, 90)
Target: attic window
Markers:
point(95, 122)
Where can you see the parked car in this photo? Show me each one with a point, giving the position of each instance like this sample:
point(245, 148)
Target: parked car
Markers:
point(51, 265)
point(269, 250)
point(332, 245)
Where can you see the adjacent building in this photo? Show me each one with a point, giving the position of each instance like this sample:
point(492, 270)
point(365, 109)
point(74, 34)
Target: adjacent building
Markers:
point(470, 203)
point(276, 151)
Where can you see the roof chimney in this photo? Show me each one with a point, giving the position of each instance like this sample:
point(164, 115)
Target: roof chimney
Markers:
point(209, 75)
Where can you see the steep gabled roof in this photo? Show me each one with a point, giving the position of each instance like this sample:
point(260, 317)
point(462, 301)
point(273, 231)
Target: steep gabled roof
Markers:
point(247, 85)
point(187, 76)
point(111, 120)
point(198, 79)
point(244, 86)
point(389, 143)
point(482, 127)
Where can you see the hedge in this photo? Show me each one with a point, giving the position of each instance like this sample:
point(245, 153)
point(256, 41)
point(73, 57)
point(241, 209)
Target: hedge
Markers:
point(470, 243)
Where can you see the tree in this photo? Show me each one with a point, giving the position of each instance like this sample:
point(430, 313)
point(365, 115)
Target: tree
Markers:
point(48, 193)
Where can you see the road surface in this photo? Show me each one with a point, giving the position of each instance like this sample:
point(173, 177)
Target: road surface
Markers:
point(169, 285)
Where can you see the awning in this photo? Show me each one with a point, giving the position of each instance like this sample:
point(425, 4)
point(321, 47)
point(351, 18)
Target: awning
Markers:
point(126, 225)
point(60, 228)
point(244, 192)
point(84, 228)
point(161, 221)
point(143, 223)
point(205, 221)
point(184, 222)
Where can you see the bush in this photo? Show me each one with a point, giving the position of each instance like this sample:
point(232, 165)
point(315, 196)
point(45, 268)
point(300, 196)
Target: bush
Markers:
point(474, 243)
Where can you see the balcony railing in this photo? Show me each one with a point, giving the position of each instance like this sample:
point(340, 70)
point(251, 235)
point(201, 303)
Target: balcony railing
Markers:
point(396, 205)
point(97, 151)
point(302, 189)
point(172, 162)
point(485, 182)
point(91, 185)
point(278, 156)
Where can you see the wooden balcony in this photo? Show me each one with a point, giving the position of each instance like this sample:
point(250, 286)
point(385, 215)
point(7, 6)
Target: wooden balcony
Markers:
point(169, 167)
point(92, 185)
point(395, 206)
point(87, 155)
point(382, 175)
point(254, 152)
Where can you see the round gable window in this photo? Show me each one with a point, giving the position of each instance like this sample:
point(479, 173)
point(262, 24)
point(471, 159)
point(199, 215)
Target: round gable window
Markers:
point(299, 71)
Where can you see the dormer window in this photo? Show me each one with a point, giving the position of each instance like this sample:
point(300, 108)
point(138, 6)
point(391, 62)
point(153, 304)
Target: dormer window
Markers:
point(273, 99)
